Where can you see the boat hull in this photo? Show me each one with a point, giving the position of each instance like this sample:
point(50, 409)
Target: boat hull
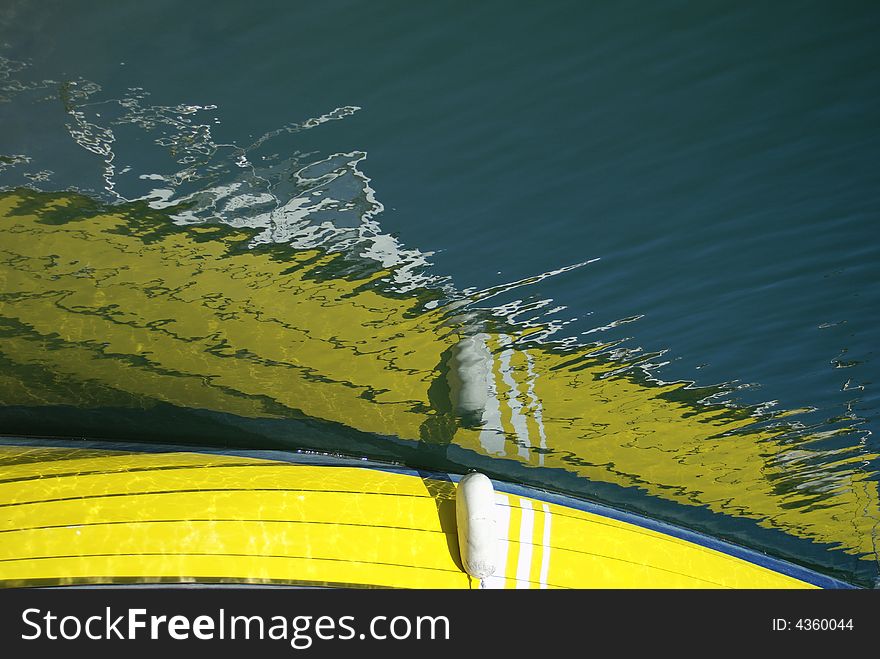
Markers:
point(78, 514)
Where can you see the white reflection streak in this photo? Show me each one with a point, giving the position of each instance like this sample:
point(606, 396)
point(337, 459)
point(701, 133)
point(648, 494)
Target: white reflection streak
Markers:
point(537, 411)
point(517, 419)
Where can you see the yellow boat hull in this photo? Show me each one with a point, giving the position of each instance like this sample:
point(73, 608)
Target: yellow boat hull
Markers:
point(90, 515)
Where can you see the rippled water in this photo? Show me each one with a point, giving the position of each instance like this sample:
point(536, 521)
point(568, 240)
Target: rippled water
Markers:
point(624, 253)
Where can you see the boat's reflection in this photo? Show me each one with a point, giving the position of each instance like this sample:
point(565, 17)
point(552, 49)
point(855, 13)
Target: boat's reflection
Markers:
point(108, 308)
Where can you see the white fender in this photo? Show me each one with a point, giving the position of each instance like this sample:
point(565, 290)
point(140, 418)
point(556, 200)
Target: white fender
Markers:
point(477, 525)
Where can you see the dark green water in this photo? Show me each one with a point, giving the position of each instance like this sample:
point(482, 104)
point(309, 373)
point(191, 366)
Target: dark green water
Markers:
point(721, 161)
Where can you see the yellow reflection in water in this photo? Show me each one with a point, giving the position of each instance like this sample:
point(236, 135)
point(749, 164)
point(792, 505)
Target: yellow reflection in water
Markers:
point(117, 306)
